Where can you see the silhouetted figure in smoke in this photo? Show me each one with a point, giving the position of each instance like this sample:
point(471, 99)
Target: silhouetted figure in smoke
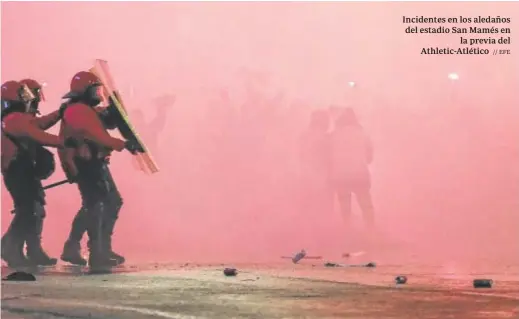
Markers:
point(153, 128)
point(313, 146)
point(316, 200)
point(351, 153)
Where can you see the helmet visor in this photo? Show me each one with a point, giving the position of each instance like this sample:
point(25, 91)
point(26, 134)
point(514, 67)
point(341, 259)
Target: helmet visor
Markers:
point(26, 94)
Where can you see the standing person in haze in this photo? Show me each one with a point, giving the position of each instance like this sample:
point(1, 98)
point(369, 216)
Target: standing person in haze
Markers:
point(351, 153)
point(86, 165)
point(313, 148)
point(316, 196)
point(25, 162)
point(152, 129)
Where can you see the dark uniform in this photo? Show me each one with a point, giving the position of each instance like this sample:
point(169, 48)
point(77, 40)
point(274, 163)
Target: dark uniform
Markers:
point(72, 249)
point(87, 166)
point(25, 162)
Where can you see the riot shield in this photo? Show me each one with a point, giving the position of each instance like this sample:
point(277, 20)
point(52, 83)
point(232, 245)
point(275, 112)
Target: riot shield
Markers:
point(145, 160)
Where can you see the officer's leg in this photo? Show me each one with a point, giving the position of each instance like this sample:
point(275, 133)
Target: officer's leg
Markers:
point(98, 257)
point(35, 252)
point(113, 206)
point(72, 249)
point(94, 192)
point(14, 239)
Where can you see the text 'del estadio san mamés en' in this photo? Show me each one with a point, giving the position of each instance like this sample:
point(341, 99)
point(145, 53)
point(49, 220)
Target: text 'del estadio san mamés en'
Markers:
point(456, 30)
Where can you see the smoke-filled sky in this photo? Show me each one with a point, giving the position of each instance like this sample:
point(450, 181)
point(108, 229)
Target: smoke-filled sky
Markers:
point(246, 77)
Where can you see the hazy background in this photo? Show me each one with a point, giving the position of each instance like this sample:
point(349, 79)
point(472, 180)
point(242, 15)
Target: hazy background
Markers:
point(246, 77)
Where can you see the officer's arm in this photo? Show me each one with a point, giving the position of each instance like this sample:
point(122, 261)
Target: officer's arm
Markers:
point(86, 121)
point(66, 157)
point(47, 121)
point(23, 126)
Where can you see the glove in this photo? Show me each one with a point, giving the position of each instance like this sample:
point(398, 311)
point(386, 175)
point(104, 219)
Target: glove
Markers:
point(111, 100)
point(70, 178)
point(106, 159)
point(133, 147)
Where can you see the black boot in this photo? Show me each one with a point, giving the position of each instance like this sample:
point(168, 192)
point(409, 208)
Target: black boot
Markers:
point(35, 253)
point(12, 253)
point(12, 243)
point(72, 253)
point(118, 258)
point(108, 232)
point(99, 258)
point(72, 249)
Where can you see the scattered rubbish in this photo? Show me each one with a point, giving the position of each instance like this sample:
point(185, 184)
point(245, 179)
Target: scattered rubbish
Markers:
point(368, 265)
point(483, 283)
point(332, 265)
point(306, 257)
point(401, 280)
point(230, 272)
point(19, 276)
point(300, 255)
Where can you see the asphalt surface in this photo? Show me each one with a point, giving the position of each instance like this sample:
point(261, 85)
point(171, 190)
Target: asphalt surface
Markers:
point(284, 290)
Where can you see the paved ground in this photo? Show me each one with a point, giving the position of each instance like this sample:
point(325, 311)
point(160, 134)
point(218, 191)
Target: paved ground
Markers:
point(259, 291)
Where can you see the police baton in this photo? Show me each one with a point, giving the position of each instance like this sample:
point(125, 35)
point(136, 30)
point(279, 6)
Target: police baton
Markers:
point(65, 181)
